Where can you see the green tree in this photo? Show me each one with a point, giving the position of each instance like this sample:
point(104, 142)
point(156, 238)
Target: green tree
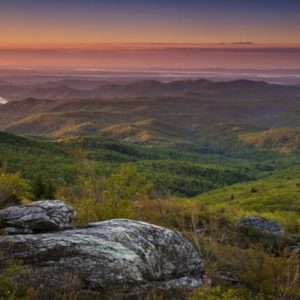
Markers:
point(43, 190)
point(50, 191)
point(114, 196)
point(87, 175)
point(122, 189)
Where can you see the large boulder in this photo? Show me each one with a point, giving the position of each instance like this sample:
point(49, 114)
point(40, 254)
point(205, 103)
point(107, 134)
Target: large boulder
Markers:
point(114, 255)
point(261, 224)
point(39, 216)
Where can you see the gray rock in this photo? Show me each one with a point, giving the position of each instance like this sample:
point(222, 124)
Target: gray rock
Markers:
point(228, 277)
point(262, 224)
point(295, 248)
point(111, 254)
point(40, 216)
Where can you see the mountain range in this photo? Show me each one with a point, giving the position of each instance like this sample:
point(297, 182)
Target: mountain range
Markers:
point(197, 112)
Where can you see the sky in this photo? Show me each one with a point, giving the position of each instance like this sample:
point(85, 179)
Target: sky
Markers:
point(156, 33)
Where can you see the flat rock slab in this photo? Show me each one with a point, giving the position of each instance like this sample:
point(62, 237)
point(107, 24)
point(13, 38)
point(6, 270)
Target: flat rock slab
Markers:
point(39, 216)
point(116, 253)
point(262, 224)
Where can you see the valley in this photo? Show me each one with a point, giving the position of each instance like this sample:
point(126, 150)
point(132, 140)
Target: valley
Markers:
point(194, 156)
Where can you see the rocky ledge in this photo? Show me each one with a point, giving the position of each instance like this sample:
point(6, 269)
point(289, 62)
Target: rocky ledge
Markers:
point(106, 257)
point(262, 224)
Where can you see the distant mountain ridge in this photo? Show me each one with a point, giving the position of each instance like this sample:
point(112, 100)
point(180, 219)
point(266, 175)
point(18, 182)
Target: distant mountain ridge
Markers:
point(201, 112)
point(79, 89)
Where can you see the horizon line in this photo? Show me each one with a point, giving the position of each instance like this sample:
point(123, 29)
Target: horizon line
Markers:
point(145, 45)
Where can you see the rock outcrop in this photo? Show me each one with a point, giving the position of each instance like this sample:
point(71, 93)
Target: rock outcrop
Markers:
point(261, 224)
point(112, 255)
point(39, 216)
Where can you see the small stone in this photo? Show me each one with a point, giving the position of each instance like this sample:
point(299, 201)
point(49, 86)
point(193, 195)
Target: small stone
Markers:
point(39, 216)
point(228, 277)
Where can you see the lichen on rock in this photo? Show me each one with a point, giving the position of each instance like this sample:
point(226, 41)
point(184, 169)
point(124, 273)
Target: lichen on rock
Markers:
point(111, 254)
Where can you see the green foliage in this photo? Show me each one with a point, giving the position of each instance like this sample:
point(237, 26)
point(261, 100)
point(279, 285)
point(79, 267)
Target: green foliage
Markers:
point(285, 140)
point(273, 277)
point(173, 169)
point(186, 178)
point(122, 190)
point(88, 175)
point(274, 198)
point(36, 157)
point(12, 283)
point(43, 190)
point(17, 283)
point(218, 293)
point(103, 179)
point(259, 261)
point(103, 198)
point(13, 189)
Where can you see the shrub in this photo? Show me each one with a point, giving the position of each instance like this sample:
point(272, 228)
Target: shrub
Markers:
point(217, 293)
point(12, 286)
point(103, 198)
point(13, 189)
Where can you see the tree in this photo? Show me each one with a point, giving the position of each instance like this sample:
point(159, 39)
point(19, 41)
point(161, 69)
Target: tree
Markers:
point(43, 190)
point(122, 189)
point(92, 183)
point(106, 197)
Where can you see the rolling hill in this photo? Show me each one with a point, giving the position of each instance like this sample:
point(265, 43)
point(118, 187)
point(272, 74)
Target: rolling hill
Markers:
point(272, 198)
point(216, 115)
point(146, 132)
point(285, 140)
point(54, 160)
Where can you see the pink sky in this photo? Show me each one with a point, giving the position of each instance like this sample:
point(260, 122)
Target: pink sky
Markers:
point(234, 55)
